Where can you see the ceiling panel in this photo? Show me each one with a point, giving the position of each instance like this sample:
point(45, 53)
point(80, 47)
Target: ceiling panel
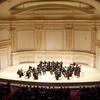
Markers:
point(49, 9)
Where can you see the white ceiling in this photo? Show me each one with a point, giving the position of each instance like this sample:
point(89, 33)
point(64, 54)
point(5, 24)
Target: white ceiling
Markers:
point(49, 9)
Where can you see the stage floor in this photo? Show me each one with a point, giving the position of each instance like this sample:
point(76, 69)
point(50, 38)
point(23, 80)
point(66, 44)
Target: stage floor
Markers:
point(87, 74)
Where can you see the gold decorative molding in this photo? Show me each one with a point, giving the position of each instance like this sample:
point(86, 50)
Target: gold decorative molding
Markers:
point(82, 51)
point(93, 41)
point(38, 37)
point(5, 43)
point(53, 10)
point(13, 40)
point(66, 39)
point(39, 26)
point(97, 43)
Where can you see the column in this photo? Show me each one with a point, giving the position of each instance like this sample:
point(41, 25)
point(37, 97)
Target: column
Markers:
point(38, 37)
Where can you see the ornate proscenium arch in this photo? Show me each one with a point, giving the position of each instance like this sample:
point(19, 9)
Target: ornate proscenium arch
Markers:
point(72, 4)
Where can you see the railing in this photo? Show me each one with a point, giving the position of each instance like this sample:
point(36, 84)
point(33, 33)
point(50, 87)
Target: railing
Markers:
point(83, 58)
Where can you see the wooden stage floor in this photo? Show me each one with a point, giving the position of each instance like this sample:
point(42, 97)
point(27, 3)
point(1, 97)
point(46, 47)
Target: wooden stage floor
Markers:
point(87, 75)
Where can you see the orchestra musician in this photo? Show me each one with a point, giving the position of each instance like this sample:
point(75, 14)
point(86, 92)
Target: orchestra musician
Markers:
point(53, 67)
point(20, 73)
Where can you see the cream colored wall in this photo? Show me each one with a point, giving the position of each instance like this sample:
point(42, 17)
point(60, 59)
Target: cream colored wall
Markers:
point(53, 36)
point(82, 40)
point(54, 40)
point(98, 49)
point(5, 48)
point(41, 37)
point(4, 34)
point(5, 58)
point(25, 40)
point(98, 34)
point(98, 57)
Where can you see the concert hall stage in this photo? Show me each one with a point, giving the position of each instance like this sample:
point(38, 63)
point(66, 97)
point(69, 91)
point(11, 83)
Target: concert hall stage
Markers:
point(88, 76)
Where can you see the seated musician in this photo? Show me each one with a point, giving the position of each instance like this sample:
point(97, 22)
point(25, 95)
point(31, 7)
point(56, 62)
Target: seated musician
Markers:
point(77, 70)
point(20, 73)
point(35, 74)
point(57, 73)
point(28, 73)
